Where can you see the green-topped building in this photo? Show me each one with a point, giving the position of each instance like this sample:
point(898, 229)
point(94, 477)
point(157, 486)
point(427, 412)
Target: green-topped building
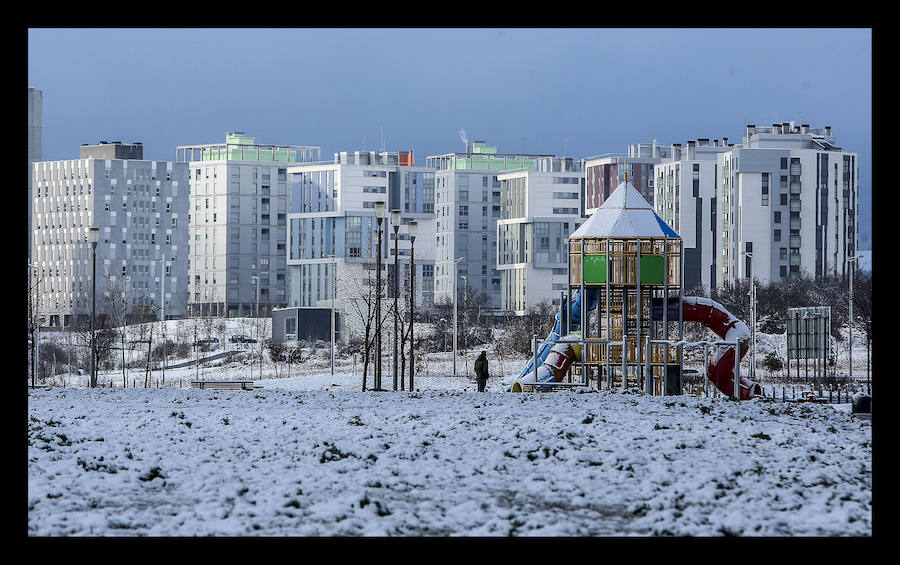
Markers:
point(467, 207)
point(237, 221)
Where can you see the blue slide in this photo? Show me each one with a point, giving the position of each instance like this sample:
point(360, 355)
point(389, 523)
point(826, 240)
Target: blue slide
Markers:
point(560, 326)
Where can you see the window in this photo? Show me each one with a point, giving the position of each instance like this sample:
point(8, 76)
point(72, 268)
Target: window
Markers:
point(782, 254)
point(784, 200)
point(777, 217)
point(784, 163)
point(777, 236)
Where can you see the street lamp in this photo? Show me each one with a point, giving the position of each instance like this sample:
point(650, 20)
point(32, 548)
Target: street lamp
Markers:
point(33, 297)
point(165, 266)
point(333, 293)
point(413, 231)
point(395, 222)
point(93, 238)
point(455, 300)
point(257, 323)
point(851, 260)
point(379, 216)
point(752, 294)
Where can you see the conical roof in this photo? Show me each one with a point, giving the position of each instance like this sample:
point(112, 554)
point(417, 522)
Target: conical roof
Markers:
point(624, 214)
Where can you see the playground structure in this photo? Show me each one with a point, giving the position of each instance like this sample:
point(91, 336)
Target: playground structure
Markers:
point(624, 322)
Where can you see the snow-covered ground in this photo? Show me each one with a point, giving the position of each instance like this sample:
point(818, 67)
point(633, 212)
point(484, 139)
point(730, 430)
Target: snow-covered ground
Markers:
point(309, 454)
point(295, 458)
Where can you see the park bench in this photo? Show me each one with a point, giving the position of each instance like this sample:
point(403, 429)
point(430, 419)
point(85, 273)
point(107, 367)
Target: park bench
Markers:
point(224, 385)
point(529, 387)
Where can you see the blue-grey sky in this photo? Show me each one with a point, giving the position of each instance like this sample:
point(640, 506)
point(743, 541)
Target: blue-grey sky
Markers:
point(523, 90)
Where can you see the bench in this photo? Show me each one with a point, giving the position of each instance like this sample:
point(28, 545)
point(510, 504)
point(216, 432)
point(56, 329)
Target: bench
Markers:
point(224, 385)
point(531, 387)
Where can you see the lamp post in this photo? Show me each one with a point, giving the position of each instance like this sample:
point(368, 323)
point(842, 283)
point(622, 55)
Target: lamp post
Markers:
point(333, 293)
point(466, 306)
point(752, 294)
point(259, 343)
point(852, 265)
point(395, 223)
point(413, 231)
point(379, 216)
point(33, 294)
point(455, 300)
point(93, 238)
point(165, 266)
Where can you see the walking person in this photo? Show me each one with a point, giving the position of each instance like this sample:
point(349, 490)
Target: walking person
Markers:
point(481, 371)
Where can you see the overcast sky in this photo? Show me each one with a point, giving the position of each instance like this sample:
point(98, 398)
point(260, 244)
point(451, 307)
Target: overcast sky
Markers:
point(580, 92)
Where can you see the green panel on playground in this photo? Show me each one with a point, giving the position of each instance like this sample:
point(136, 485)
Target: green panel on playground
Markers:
point(652, 269)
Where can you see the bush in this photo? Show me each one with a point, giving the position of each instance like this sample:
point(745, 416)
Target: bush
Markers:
point(772, 362)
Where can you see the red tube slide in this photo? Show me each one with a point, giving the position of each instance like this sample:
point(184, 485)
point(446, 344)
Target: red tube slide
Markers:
point(721, 366)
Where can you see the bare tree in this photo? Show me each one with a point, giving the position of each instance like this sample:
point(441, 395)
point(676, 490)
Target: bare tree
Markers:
point(33, 284)
point(116, 302)
point(360, 292)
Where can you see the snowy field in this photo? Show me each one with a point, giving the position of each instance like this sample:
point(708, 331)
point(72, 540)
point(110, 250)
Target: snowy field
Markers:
point(309, 456)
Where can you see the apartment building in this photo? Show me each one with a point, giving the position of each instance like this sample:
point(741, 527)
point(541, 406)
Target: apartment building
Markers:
point(332, 225)
point(467, 207)
point(238, 224)
point(781, 203)
point(141, 209)
point(35, 139)
point(538, 211)
point(603, 174)
point(685, 197)
point(788, 204)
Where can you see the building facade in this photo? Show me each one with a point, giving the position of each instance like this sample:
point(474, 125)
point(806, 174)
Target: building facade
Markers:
point(788, 204)
point(538, 211)
point(685, 197)
point(35, 141)
point(238, 224)
point(604, 173)
point(781, 203)
point(467, 207)
point(141, 209)
point(332, 225)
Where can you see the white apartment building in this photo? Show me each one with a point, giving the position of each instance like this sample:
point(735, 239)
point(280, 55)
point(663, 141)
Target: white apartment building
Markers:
point(788, 202)
point(238, 224)
point(467, 207)
point(685, 196)
point(538, 211)
point(35, 139)
point(781, 203)
point(332, 214)
point(140, 207)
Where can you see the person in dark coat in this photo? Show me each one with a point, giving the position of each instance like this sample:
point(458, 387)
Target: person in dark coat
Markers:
point(481, 371)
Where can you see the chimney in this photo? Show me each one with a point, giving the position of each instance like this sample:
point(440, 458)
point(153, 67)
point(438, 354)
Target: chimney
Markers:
point(676, 151)
point(805, 128)
point(690, 150)
point(827, 130)
point(716, 141)
point(702, 142)
point(724, 141)
point(751, 129)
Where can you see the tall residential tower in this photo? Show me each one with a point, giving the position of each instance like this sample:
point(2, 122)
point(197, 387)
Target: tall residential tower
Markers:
point(238, 223)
